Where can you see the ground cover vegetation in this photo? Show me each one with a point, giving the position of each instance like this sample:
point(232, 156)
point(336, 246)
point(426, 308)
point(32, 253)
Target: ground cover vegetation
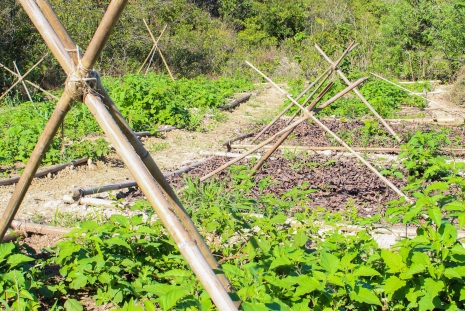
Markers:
point(145, 101)
point(271, 247)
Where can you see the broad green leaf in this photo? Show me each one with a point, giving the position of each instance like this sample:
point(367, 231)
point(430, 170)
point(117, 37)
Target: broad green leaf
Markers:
point(264, 245)
point(105, 278)
point(433, 288)
point(6, 249)
point(232, 270)
point(73, 305)
point(171, 298)
point(366, 296)
point(302, 306)
point(280, 261)
point(17, 259)
point(393, 261)
point(122, 220)
point(393, 284)
point(118, 241)
point(415, 268)
point(329, 262)
point(458, 249)
point(436, 186)
point(79, 281)
point(421, 258)
point(308, 285)
point(428, 302)
point(436, 215)
point(158, 289)
point(246, 306)
point(366, 271)
point(177, 272)
point(278, 219)
point(300, 238)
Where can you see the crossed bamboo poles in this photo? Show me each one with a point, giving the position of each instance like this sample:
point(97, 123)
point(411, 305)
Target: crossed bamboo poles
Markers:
point(22, 78)
point(154, 49)
point(308, 115)
point(83, 85)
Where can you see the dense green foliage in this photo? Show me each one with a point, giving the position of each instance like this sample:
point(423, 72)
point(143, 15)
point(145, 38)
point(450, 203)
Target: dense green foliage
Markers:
point(155, 99)
point(275, 264)
point(404, 39)
point(144, 101)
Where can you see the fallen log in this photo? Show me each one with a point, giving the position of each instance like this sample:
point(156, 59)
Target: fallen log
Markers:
point(148, 133)
point(290, 147)
point(52, 169)
point(77, 193)
point(235, 102)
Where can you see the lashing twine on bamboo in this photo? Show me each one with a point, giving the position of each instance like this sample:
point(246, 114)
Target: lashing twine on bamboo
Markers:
point(82, 81)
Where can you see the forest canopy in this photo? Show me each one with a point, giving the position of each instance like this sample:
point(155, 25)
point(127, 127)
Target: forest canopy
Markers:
point(406, 39)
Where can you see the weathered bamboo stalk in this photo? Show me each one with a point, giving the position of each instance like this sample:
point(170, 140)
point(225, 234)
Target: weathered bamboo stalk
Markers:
point(95, 202)
point(51, 128)
point(282, 132)
point(23, 226)
point(22, 82)
point(325, 74)
point(324, 127)
point(59, 29)
point(268, 154)
point(153, 49)
point(168, 191)
point(333, 148)
point(362, 98)
point(90, 58)
point(81, 192)
point(240, 137)
point(333, 67)
point(165, 63)
point(53, 169)
point(148, 133)
point(20, 79)
point(187, 246)
point(235, 102)
point(104, 29)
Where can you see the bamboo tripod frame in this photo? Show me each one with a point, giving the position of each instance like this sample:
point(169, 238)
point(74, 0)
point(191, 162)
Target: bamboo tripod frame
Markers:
point(83, 85)
point(154, 49)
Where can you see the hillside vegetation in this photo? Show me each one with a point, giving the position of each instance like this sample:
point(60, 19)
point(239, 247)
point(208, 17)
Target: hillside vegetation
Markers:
point(408, 39)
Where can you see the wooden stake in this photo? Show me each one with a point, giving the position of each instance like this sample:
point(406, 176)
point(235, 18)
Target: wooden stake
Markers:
point(22, 77)
point(362, 98)
point(28, 82)
point(325, 74)
point(311, 116)
point(52, 169)
point(22, 82)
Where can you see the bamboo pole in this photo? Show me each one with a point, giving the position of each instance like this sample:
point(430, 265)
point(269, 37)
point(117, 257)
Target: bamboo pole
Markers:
point(81, 192)
point(51, 128)
point(327, 73)
point(28, 82)
point(187, 246)
point(268, 154)
point(59, 29)
point(20, 79)
point(166, 64)
point(22, 82)
point(324, 127)
point(168, 191)
point(235, 102)
point(95, 202)
point(400, 87)
point(282, 132)
point(104, 29)
point(154, 47)
point(362, 98)
point(53, 169)
point(89, 59)
point(333, 67)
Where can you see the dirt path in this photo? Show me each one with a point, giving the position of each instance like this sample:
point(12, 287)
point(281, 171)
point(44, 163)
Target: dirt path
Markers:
point(43, 202)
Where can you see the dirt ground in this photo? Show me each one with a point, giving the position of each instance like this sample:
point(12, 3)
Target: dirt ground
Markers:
point(44, 204)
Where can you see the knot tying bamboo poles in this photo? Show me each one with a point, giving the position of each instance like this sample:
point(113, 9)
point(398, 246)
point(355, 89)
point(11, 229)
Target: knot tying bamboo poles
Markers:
point(142, 167)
